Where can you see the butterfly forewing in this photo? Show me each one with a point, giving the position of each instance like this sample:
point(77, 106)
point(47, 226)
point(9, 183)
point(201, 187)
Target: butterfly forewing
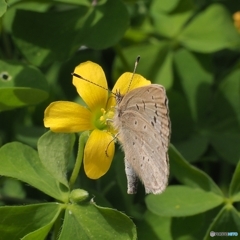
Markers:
point(144, 129)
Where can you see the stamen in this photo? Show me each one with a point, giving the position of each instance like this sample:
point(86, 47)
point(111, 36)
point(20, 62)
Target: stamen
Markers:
point(103, 110)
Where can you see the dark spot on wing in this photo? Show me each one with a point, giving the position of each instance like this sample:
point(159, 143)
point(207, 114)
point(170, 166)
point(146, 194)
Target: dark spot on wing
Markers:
point(155, 119)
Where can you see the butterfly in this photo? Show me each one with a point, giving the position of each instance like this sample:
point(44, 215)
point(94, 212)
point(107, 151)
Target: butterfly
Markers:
point(143, 124)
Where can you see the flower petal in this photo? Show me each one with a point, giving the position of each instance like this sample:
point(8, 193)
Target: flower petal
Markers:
point(124, 80)
point(94, 91)
point(96, 161)
point(123, 86)
point(63, 116)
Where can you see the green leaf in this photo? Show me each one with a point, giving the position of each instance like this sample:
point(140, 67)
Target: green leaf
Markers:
point(196, 80)
point(226, 104)
point(181, 119)
point(166, 5)
point(225, 120)
point(91, 25)
point(234, 190)
point(230, 90)
point(19, 221)
point(227, 220)
point(76, 2)
point(8, 19)
point(210, 31)
point(155, 63)
point(154, 227)
point(22, 162)
point(39, 234)
point(197, 225)
point(54, 151)
point(13, 188)
point(227, 145)
point(180, 201)
point(3, 7)
point(88, 221)
point(193, 147)
point(190, 175)
point(179, 229)
point(158, 227)
point(21, 85)
point(35, 55)
point(170, 24)
point(102, 31)
point(28, 135)
point(165, 74)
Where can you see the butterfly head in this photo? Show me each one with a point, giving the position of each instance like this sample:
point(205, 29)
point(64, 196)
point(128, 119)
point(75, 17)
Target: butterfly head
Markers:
point(118, 97)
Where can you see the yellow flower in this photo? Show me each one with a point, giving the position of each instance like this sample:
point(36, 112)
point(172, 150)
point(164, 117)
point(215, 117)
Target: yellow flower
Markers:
point(236, 18)
point(69, 117)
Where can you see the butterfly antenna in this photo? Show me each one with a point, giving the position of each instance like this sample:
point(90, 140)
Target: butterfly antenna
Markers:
point(78, 76)
point(134, 71)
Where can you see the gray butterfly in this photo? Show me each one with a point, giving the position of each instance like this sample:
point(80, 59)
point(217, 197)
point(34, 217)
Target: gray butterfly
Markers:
point(143, 124)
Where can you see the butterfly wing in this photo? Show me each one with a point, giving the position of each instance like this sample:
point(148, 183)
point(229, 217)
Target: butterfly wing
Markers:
point(144, 130)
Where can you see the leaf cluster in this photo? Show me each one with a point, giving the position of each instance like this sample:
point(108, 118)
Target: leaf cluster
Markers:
point(189, 46)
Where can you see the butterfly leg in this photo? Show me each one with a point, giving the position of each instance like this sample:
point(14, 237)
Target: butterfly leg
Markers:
point(132, 178)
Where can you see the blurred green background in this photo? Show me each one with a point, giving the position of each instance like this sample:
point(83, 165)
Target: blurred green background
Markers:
point(192, 47)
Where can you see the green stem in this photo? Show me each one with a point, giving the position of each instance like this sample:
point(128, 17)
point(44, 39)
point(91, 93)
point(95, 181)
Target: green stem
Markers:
point(78, 163)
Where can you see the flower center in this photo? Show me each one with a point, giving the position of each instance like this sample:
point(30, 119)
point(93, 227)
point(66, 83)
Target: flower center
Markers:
point(104, 119)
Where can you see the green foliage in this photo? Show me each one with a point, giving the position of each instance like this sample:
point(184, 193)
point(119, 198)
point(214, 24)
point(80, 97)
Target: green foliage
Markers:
point(190, 47)
point(41, 216)
point(3, 7)
point(21, 85)
point(82, 218)
point(30, 169)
